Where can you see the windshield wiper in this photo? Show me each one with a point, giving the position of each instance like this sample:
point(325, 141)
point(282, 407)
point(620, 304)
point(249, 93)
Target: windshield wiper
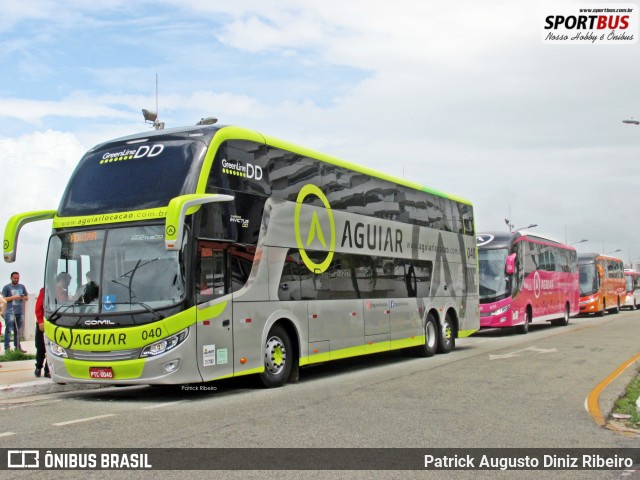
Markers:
point(158, 315)
point(129, 275)
point(55, 316)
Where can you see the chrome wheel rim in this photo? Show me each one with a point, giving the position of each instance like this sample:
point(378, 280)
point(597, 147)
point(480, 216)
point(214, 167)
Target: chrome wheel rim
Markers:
point(275, 355)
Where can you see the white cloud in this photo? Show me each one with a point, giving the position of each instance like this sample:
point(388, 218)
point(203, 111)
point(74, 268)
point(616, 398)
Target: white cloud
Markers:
point(35, 169)
point(78, 106)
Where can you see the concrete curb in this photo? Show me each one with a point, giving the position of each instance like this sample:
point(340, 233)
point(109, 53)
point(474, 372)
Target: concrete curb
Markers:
point(17, 379)
point(38, 387)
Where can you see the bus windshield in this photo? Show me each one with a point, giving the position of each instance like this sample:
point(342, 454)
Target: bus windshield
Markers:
point(494, 282)
point(588, 279)
point(135, 272)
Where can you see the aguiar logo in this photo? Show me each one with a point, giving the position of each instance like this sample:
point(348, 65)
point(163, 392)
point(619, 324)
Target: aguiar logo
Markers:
point(316, 231)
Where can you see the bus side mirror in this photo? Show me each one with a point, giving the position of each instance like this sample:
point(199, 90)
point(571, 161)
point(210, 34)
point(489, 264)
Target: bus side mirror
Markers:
point(510, 266)
point(15, 223)
point(178, 208)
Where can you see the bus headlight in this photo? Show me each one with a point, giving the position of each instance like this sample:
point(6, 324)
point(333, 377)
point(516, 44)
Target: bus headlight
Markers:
point(502, 310)
point(588, 301)
point(57, 350)
point(165, 344)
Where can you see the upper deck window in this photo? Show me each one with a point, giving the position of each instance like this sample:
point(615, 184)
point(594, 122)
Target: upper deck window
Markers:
point(124, 177)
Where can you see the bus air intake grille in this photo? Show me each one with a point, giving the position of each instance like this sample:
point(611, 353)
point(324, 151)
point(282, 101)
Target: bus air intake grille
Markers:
point(106, 356)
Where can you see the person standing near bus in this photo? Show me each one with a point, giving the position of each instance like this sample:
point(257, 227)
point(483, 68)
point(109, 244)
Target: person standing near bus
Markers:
point(40, 348)
point(15, 294)
point(3, 306)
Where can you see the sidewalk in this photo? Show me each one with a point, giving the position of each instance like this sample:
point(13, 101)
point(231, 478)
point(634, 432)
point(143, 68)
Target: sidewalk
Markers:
point(18, 378)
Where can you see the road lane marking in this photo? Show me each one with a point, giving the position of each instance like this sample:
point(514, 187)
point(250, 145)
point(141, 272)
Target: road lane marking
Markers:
point(79, 420)
point(7, 434)
point(591, 403)
point(517, 353)
point(151, 407)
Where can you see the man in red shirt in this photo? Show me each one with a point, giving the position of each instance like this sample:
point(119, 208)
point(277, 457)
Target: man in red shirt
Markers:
point(40, 348)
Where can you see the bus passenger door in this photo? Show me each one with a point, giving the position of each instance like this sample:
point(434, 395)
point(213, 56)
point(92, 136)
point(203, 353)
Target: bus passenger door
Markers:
point(214, 327)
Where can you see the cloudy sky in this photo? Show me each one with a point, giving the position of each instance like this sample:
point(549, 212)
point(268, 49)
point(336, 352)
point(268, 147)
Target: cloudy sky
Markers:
point(461, 96)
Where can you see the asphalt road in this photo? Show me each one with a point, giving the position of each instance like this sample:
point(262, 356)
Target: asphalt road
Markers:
point(497, 389)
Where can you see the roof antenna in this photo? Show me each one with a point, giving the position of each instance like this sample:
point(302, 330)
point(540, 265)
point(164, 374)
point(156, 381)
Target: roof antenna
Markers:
point(152, 117)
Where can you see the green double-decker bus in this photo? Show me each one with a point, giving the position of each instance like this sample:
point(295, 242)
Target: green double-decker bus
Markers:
point(196, 254)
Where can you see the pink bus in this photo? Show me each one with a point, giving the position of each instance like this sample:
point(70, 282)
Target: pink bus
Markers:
point(526, 279)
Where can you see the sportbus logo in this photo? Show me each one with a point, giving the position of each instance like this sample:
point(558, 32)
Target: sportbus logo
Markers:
point(591, 24)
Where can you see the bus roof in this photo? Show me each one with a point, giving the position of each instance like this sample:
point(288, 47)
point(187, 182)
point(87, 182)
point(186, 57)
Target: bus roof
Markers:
point(489, 240)
point(591, 257)
point(207, 132)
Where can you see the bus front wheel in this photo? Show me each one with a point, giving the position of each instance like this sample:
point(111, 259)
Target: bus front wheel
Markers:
point(524, 328)
point(278, 358)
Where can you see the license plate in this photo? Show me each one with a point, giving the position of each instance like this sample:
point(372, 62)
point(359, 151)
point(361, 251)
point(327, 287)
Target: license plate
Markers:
point(100, 372)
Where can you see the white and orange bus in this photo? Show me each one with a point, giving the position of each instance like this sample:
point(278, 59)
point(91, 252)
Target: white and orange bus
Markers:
point(602, 284)
point(632, 281)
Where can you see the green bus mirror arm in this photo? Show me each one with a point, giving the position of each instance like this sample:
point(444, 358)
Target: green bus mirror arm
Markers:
point(178, 208)
point(12, 230)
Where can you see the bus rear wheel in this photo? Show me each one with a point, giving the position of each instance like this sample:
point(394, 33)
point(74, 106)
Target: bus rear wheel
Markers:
point(616, 309)
point(447, 340)
point(564, 321)
point(278, 358)
point(430, 338)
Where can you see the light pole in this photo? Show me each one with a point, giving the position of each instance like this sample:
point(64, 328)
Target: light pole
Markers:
point(615, 251)
point(581, 241)
point(631, 121)
point(528, 226)
point(511, 229)
point(509, 224)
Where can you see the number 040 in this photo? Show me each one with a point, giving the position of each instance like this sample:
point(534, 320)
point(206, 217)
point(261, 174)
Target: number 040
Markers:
point(153, 333)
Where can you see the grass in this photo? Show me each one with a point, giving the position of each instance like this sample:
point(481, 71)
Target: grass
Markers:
point(16, 356)
point(626, 404)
